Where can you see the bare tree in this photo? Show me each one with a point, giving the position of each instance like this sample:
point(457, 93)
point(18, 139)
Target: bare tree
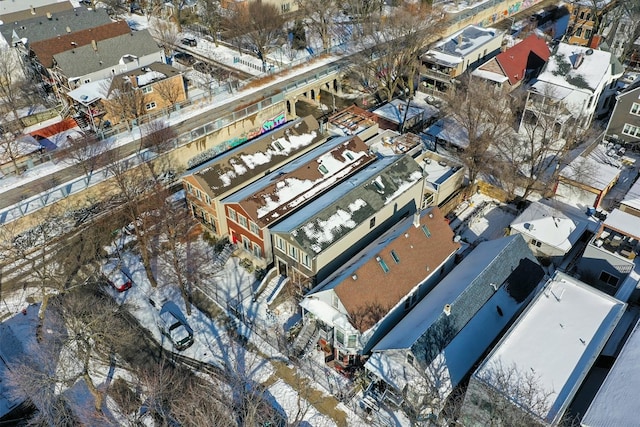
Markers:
point(320, 18)
point(258, 24)
point(368, 315)
point(12, 82)
point(482, 118)
point(211, 17)
point(166, 32)
point(124, 101)
point(170, 90)
point(87, 152)
point(389, 61)
point(158, 136)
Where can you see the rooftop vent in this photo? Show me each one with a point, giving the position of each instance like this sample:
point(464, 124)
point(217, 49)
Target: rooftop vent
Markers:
point(49, 16)
point(33, 10)
point(68, 30)
point(354, 277)
point(94, 45)
point(447, 309)
point(589, 52)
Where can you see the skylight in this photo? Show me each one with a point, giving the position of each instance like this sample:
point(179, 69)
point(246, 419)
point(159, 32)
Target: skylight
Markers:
point(323, 169)
point(426, 231)
point(383, 264)
point(395, 257)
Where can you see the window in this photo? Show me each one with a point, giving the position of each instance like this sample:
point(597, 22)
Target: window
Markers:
point(254, 228)
point(334, 301)
point(582, 14)
point(323, 169)
point(232, 215)
point(339, 336)
point(579, 32)
point(246, 243)
point(189, 188)
point(409, 302)
point(87, 80)
point(278, 146)
point(383, 264)
point(631, 130)
point(587, 33)
point(293, 252)
point(349, 155)
point(395, 257)
point(575, 12)
point(588, 17)
point(198, 194)
point(306, 260)
point(207, 199)
point(257, 250)
point(635, 109)
point(410, 358)
point(353, 340)
point(609, 279)
point(150, 106)
point(242, 221)
point(536, 243)
point(286, 7)
point(147, 89)
point(372, 222)
point(280, 243)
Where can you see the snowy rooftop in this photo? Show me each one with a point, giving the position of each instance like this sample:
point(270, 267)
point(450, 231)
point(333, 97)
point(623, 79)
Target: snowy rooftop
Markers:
point(90, 92)
point(276, 194)
point(328, 218)
point(574, 68)
point(255, 157)
point(549, 225)
point(615, 404)
point(438, 169)
point(452, 50)
point(632, 198)
point(558, 337)
point(595, 169)
point(395, 111)
point(623, 222)
point(352, 120)
point(391, 143)
point(448, 129)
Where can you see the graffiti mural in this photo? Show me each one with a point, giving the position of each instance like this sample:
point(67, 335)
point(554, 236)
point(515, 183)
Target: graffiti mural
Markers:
point(266, 126)
point(511, 9)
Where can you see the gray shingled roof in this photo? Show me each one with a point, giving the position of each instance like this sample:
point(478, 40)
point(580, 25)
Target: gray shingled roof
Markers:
point(42, 28)
point(84, 60)
point(358, 196)
point(506, 262)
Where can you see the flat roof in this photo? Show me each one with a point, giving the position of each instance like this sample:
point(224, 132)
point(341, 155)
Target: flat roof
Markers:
point(616, 403)
point(623, 222)
point(558, 338)
point(395, 111)
point(632, 198)
point(594, 168)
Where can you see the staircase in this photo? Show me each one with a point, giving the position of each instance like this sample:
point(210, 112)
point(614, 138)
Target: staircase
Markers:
point(272, 289)
point(82, 122)
point(308, 335)
point(223, 257)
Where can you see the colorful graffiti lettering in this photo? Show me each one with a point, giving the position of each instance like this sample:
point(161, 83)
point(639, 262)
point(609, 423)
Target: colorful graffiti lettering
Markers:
point(266, 126)
point(510, 11)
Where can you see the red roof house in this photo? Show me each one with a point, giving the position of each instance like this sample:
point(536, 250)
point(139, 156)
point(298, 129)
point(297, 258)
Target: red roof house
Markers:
point(516, 63)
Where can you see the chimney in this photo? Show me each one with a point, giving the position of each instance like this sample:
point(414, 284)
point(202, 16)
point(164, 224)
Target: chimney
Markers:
point(447, 309)
point(416, 219)
point(94, 45)
point(460, 38)
point(49, 16)
point(33, 10)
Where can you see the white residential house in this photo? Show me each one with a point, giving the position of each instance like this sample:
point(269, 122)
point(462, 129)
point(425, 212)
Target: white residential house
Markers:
point(631, 202)
point(548, 231)
point(572, 87)
point(432, 349)
point(538, 366)
point(349, 312)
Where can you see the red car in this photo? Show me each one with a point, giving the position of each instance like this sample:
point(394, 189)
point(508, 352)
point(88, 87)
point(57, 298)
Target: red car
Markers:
point(115, 277)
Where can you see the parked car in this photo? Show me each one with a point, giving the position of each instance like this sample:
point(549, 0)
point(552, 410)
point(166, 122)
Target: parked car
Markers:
point(184, 58)
point(189, 41)
point(175, 328)
point(115, 276)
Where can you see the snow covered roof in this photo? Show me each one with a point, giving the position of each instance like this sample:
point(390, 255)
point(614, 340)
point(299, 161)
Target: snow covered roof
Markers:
point(275, 195)
point(632, 198)
point(395, 111)
point(624, 223)
point(352, 120)
point(549, 225)
point(489, 75)
point(616, 403)
point(449, 130)
point(253, 158)
point(391, 267)
point(90, 92)
point(593, 168)
point(328, 218)
point(578, 68)
point(391, 143)
point(558, 338)
point(452, 50)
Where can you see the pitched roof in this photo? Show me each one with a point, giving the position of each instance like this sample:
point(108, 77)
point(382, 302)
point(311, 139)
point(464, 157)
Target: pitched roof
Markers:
point(42, 28)
point(616, 403)
point(568, 318)
point(420, 253)
point(328, 218)
point(45, 49)
point(275, 195)
point(257, 156)
point(502, 263)
point(85, 60)
point(549, 225)
point(19, 11)
point(515, 60)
